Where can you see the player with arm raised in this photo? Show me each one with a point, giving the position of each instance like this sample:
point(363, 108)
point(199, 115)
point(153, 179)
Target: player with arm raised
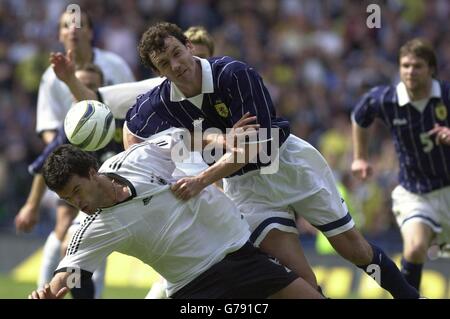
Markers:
point(54, 100)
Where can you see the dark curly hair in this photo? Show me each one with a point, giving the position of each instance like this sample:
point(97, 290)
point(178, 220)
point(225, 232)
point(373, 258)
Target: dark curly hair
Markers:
point(64, 162)
point(153, 40)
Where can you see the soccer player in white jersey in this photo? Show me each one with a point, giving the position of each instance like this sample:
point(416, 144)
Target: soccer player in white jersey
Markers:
point(200, 246)
point(91, 76)
point(416, 112)
point(54, 100)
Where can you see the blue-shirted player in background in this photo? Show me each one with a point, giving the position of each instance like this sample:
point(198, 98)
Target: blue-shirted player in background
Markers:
point(217, 93)
point(416, 111)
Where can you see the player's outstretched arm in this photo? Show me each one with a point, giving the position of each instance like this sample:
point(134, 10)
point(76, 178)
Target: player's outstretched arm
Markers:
point(64, 68)
point(361, 168)
point(28, 215)
point(57, 288)
point(237, 156)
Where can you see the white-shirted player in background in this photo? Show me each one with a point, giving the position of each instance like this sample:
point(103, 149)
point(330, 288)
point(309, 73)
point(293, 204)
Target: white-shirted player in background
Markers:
point(119, 97)
point(54, 100)
point(200, 246)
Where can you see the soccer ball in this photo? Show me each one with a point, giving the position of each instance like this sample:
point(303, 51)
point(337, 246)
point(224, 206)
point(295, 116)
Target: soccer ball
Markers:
point(89, 125)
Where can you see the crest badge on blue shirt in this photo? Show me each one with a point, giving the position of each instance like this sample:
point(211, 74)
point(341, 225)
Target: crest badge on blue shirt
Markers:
point(441, 111)
point(221, 108)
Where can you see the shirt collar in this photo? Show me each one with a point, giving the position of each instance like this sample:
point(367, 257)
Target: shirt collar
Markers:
point(403, 97)
point(207, 82)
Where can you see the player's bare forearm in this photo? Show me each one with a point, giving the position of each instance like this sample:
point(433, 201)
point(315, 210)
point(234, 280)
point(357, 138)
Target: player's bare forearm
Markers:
point(37, 191)
point(225, 166)
point(359, 136)
point(228, 141)
point(79, 91)
point(228, 164)
point(28, 215)
point(189, 187)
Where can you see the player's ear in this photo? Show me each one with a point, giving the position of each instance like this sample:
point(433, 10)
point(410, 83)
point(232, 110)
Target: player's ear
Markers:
point(92, 172)
point(190, 46)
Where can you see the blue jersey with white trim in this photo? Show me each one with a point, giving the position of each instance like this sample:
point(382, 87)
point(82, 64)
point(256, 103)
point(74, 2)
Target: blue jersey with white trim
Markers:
point(424, 165)
point(238, 89)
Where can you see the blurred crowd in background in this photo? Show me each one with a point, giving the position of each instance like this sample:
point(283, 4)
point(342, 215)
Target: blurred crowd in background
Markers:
point(317, 59)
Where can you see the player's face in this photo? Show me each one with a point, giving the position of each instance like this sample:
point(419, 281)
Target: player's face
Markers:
point(415, 73)
point(91, 80)
point(201, 51)
point(176, 61)
point(82, 192)
point(71, 36)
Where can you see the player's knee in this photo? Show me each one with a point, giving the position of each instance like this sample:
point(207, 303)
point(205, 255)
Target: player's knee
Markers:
point(415, 251)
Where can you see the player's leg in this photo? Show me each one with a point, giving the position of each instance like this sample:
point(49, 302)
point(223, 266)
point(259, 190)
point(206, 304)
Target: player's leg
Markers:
point(327, 212)
point(298, 289)
point(247, 273)
point(371, 259)
point(286, 248)
point(419, 223)
point(52, 248)
point(158, 290)
point(98, 279)
point(417, 237)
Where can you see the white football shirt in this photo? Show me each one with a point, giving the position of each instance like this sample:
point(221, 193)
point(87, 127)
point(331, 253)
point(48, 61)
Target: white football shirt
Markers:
point(55, 99)
point(179, 239)
point(120, 97)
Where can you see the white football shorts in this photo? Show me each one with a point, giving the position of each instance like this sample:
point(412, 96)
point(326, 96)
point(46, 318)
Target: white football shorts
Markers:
point(303, 186)
point(432, 209)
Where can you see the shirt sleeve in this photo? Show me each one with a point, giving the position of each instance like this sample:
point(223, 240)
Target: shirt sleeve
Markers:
point(50, 106)
point(91, 244)
point(367, 108)
point(120, 97)
point(249, 94)
point(38, 163)
point(142, 120)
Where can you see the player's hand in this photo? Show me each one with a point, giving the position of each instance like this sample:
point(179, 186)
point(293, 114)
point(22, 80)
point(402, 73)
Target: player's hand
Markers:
point(27, 218)
point(361, 169)
point(187, 187)
point(442, 134)
point(246, 126)
point(47, 293)
point(63, 65)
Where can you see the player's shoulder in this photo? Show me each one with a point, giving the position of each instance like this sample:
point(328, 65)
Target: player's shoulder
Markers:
point(226, 64)
point(445, 88)
point(383, 93)
point(108, 165)
point(154, 94)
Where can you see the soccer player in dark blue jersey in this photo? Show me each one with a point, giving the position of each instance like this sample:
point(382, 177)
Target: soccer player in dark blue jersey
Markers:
point(416, 113)
point(217, 93)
